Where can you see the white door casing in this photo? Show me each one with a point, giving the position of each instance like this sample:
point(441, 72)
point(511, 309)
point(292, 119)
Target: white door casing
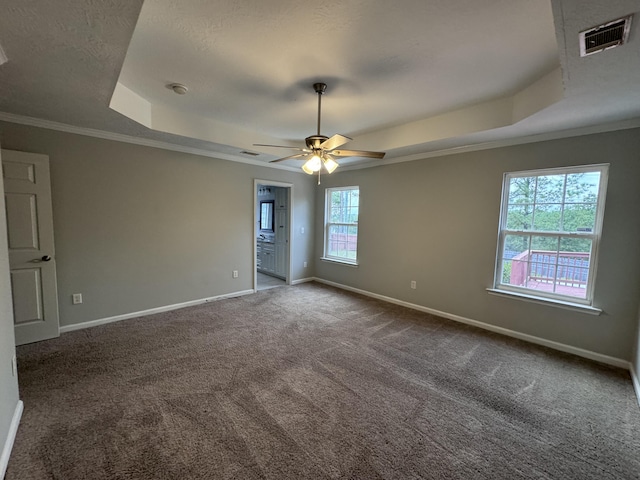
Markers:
point(31, 249)
point(283, 201)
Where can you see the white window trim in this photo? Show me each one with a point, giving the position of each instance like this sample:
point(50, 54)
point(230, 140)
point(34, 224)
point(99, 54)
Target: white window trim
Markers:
point(550, 297)
point(331, 258)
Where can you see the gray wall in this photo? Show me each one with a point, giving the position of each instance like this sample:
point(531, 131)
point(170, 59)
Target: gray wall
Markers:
point(8, 383)
point(436, 220)
point(137, 227)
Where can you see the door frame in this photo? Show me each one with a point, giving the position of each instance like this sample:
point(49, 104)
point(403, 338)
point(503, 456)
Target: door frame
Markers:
point(289, 187)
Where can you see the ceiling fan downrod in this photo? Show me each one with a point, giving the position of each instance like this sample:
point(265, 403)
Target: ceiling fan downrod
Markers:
point(320, 88)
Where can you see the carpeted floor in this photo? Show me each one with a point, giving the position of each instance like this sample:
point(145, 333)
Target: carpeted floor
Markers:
point(309, 382)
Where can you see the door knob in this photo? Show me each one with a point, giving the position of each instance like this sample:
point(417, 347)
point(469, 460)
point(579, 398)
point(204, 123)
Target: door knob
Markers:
point(45, 258)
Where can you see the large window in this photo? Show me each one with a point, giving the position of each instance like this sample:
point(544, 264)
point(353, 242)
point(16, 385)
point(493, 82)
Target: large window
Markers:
point(550, 227)
point(341, 224)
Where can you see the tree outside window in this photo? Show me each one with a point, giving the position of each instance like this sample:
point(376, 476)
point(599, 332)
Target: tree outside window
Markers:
point(549, 231)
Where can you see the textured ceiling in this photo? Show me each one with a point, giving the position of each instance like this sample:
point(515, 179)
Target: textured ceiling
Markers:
point(411, 78)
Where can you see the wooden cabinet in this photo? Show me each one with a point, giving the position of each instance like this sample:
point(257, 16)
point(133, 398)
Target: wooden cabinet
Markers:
point(266, 257)
point(281, 259)
point(282, 241)
point(259, 255)
point(281, 198)
point(280, 226)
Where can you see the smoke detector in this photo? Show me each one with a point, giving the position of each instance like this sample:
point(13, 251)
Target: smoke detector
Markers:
point(603, 37)
point(178, 88)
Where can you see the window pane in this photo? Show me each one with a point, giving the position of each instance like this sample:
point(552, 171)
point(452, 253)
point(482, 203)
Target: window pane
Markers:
point(579, 218)
point(543, 261)
point(515, 245)
point(582, 187)
point(573, 266)
point(550, 189)
point(547, 217)
point(519, 217)
point(543, 243)
point(335, 215)
point(343, 206)
point(515, 260)
point(522, 189)
point(342, 241)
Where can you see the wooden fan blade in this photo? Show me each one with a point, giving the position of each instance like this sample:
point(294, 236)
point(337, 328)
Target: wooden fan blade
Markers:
point(281, 146)
point(357, 153)
point(297, 155)
point(334, 142)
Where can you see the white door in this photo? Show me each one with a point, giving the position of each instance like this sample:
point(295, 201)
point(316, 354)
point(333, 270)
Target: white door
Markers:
point(27, 191)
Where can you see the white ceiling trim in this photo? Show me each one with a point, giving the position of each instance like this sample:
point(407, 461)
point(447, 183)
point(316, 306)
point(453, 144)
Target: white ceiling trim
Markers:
point(118, 137)
point(165, 119)
point(484, 116)
point(507, 142)
point(555, 135)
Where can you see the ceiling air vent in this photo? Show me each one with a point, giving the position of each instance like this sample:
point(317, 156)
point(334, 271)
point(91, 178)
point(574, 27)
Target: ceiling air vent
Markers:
point(602, 37)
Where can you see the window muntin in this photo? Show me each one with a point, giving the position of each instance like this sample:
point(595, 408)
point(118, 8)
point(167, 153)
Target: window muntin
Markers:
point(550, 228)
point(341, 224)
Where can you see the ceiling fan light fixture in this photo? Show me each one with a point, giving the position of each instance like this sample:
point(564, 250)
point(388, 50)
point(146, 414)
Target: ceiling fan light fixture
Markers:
point(330, 164)
point(320, 148)
point(314, 164)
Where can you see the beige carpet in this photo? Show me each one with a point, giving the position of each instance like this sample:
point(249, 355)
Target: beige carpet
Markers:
point(309, 382)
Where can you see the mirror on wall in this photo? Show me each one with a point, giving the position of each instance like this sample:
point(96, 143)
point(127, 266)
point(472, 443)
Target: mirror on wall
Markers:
point(266, 215)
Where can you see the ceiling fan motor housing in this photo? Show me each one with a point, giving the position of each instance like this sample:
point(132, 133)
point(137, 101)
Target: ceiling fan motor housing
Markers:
point(314, 141)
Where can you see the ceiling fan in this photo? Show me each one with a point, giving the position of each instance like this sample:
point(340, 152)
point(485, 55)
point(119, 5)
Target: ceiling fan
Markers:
point(321, 150)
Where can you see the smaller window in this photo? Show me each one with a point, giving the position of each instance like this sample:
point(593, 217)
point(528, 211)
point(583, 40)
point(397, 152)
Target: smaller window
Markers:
point(550, 227)
point(341, 224)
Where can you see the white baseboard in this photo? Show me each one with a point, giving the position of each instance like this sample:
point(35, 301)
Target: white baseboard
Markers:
point(151, 311)
point(598, 357)
point(11, 437)
point(636, 382)
point(302, 280)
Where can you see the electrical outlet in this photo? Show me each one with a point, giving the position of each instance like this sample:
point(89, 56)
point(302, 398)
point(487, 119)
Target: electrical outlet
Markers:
point(235, 274)
point(14, 366)
point(302, 230)
point(413, 284)
point(76, 298)
point(304, 264)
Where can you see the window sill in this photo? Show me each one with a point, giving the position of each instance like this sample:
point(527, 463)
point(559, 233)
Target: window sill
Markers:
point(341, 262)
point(547, 301)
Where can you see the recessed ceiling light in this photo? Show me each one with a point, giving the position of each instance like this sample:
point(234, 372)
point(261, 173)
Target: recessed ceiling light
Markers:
point(178, 88)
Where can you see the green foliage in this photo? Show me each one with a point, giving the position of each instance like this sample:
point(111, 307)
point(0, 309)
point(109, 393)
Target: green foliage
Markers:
point(552, 203)
point(344, 206)
point(506, 272)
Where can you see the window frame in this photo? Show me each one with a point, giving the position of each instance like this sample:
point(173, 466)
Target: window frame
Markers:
point(594, 236)
point(328, 224)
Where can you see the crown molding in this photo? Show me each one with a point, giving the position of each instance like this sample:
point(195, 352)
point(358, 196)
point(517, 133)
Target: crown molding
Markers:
point(507, 142)
point(119, 137)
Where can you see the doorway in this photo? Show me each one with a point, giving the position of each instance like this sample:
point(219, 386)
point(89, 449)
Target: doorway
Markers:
point(272, 234)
